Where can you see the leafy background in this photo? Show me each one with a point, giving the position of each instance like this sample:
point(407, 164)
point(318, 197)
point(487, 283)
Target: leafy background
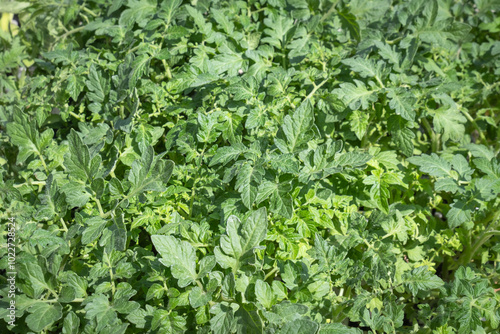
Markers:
point(301, 166)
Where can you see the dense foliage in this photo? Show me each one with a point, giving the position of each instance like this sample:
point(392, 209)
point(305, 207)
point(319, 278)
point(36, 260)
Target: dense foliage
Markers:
point(262, 166)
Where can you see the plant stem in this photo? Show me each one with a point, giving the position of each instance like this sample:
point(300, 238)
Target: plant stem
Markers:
point(330, 11)
point(272, 272)
point(32, 183)
point(69, 33)
point(43, 163)
point(379, 81)
point(474, 123)
point(490, 231)
point(199, 284)
point(65, 228)
point(316, 87)
point(99, 206)
point(434, 139)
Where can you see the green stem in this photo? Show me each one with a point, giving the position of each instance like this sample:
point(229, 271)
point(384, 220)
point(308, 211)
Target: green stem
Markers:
point(31, 183)
point(65, 228)
point(43, 163)
point(330, 11)
point(112, 279)
point(258, 10)
point(379, 81)
point(474, 123)
point(490, 231)
point(191, 199)
point(85, 9)
point(76, 116)
point(99, 206)
point(272, 272)
point(69, 33)
point(316, 87)
point(199, 245)
point(167, 69)
point(193, 193)
point(432, 134)
point(484, 237)
point(76, 300)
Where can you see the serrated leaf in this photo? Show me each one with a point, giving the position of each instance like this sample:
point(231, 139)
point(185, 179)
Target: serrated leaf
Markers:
point(297, 128)
point(99, 309)
point(365, 67)
point(359, 123)
point(299, 326)
point(95, 226)
point(432, 164)
point(96, 85)
point(180, 256)
point(27, 137)
point(78, 162)
point(139, 11)
point(71, 323)
point(246, 183)
point(237, 245)
point(264, 294)
point(43, 315)
point(402, 135)
point(402, 102)
point(421, 279)
point(356, 96)
point(459, 213)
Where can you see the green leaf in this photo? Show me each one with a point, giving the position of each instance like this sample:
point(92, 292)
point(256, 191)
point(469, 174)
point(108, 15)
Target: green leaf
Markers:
point(226, 154)
point(248, 320)
point(356, 96)
point(297, 129)
point(359, 123)
point(12, 57)
point(27, 137)
point(95, 226)
point(98, 308)
point(139, 11)
point(180, 256)
point(13, 7)
point(389, 53)
point(223, 21)
point(75, 86)
point(78, 162)
point(223, 320)
point(71, 323)
point(198, 297)
point(277, 29)
point(299, 326)
point(237, 245)
point(33, 273)
point(349, 21)
point(402, 135)
point(366, 68)
point(168, 9)
point(402, 102)
point(337, 329)
point(280, 198)
point(448, 119)
point(96, 85)
point(459, 213)
point(43, 315)
point(149, 173)
point(421, 279)
point(77, 195)
point(432, 165)
point(264, 294)
point(246, 183)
